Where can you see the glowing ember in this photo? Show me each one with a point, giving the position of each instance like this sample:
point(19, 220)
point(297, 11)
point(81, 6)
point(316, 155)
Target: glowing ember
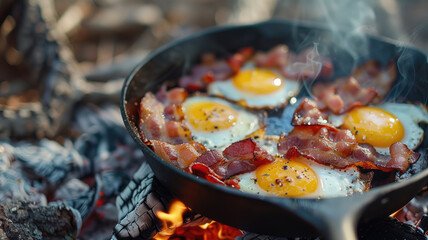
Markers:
point(213, 230)
point(173, 230)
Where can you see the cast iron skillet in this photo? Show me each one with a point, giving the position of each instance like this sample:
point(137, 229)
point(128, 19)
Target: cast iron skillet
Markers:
point(333, 218)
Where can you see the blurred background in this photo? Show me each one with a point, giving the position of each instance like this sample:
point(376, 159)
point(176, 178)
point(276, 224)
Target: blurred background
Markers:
point(105, 31)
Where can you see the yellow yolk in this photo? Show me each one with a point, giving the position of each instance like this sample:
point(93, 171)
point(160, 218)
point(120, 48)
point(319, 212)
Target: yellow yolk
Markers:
point(287, 178)
point(258, 81)
point(207, 116)
point(374, 126)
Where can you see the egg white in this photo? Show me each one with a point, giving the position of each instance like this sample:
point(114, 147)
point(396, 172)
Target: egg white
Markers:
point(246, 124)
point(331, 182)
point(410, 116)
point(229, 91)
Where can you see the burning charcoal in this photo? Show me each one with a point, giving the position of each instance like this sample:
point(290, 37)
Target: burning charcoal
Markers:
point(23, 220)
point(106, 145)
point(138, 204)
point(108, 211)
point(388, 228)
point(423, 224)
point(48, 159)
point(85, 203)
point(113, 182)
point(71, 189)
point(412, 212)
point(13, 184)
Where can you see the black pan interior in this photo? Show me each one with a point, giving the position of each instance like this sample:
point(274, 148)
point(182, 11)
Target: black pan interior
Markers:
point(258, 213)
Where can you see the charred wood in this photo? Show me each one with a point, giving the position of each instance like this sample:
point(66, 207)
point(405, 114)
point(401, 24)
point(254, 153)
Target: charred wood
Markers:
point(24, 220)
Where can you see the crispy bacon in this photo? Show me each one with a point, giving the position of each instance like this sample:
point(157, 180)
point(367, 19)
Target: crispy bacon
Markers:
point(152, 122)
point(309, 113)
point(239, 157)
point(307, 65)
point(237, 60)
point(163, 123)
point(215, 161)
point(203, 171)
point(247, 150)
point(372, 75)
point(208, 71)
point(368, 83)
point(343, 94)
point(175, 96)
point(295, 66)
point(245, 156)
point(340, 149)
point(210, 158)
point(276, 57)
point(326, 68)
point(402, 156)
point(180, 155)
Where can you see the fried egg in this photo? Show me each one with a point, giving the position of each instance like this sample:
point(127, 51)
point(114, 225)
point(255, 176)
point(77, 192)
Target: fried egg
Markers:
point(216, 122)
point(385, 124)
point(301, 177)
point(256, 88)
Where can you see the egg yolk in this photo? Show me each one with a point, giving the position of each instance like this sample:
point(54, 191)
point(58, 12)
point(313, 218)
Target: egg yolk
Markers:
point(258, 81)
point(374, 126)
point(287, 178)
point(210, 116)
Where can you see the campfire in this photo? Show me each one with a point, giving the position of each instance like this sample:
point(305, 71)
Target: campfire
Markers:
point(173, 221)
point(68, 168)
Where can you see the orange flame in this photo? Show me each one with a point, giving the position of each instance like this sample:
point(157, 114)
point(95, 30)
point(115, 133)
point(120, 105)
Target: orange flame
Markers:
point(170, 220)
point(173, 230)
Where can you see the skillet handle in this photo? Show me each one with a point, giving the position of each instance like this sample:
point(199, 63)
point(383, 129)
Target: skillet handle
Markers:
point(339, 223)
point(335, 218)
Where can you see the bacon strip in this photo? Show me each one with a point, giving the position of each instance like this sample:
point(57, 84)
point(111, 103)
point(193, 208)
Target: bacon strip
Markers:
point(157, 122)
point(175, 96)
point(215, 161)
point(180, 155)
point(247, 150)
point(368, 83)
point(239, 157)
point(295, 66)
point(340, 149)
point(201, 75)
point(343, 94)
point(276, 57)
point(210, 69)
point(372, 75)
point(203, 171)
point(237, 60)
point(309, 113)
point(402, 154)
point(152, 122)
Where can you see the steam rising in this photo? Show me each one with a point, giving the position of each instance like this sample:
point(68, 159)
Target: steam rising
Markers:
point(312, 67)
point(350, 21)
